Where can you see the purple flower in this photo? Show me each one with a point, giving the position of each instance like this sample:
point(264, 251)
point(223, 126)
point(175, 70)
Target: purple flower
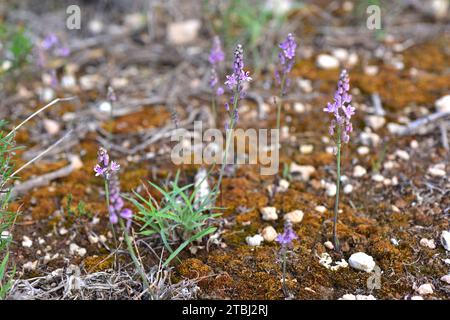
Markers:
point(216, 56)
point(99, 171)
point(108, 170)
point(286, 238)
point(62, 52)
point(239, 76)
point(50, 41)
point(219, 91)
point(286, 57)
point(115, 166)
point(341, 109)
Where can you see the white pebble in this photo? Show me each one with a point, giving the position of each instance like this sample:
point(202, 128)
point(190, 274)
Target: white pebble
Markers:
point(304, 171)
point(306, 148)
point(348, 188)
point(445, 240)
point(331, 189)
point(283, 185)
point(269, 213)
point(446, 278)
point(51, 126)
point(414, 144)
point(326, 61)
point(183, 32)
point(105, 106)
point(359, 171)
point(437, 170)
point(254, 241)
point(269, 234)
point(443, 104)
point(299, 107)
point(426, 288)
point(75, 249)
point(375, 122)
point(329, 245)
point(371, 70)
point(363, 150)
point(320, 209)
point(416, 298)
point(30, 266)
point(361, 261)
point(295, 216)
point(402, 154)
point(377, 177)
point(63, 231)
point(429, 243)
point(27, 242)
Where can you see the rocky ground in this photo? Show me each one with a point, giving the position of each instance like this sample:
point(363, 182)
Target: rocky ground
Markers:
point(395, 207)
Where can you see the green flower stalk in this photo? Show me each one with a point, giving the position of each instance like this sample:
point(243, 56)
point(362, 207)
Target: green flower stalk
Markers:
point(340, 129)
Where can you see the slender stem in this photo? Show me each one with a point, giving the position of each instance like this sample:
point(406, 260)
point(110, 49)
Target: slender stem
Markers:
point(136, 262)
point(284, 272)
point(213, 106)
point(107, 206)
point(280, 102)
point(229, 135)
point(338, 181)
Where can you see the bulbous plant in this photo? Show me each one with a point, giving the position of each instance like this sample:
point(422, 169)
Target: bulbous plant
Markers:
point(340, 128)
point(235, 84)
point(286, 58)
point(286, 239)
point(108, 170)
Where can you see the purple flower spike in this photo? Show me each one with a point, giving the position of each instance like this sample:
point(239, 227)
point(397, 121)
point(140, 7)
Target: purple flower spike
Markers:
point(99, 171)
point(113, 218)
point(50, 41)
point(287, 237)
point(341, 109)
point(126, 214)
point(216, 56)
point(286, 57)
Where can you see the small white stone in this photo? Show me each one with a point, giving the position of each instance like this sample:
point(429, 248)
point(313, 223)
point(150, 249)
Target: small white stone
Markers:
point(394, 242)
point(269, 213)
point(426, 288)
point(377, 177)
point(93, 239)
point(331, 189)
point(363, 150)
point(283, 185)
point(395, 128)
point(63, 231)
point(95, 26)
point(361, 261)
point(348, 188)
point(306, 148)
point(68, 81)
point(348, 297)
point(299, 107)
point(326, 61)
point(341, 54)
point(329, 245)
point(371, 70)
point(414, 144)
point(105, 106)
point(369, 138)
point(304, 171)
point(75, 249)
point(295, 216)
point(30, 266)
point(429, 243)
point(27, 242)
point(416, 298)
point(51, 126)
point(375, 122)
point(359, 171)
point(437, 170)
point(446, 278)
point(445, 240)
point(47, 94)
point(443, 104)
point(320, 209)
point(352, 59)
point(269, 233)
point(183, 32)
point(402, 154)
point(256, 240)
